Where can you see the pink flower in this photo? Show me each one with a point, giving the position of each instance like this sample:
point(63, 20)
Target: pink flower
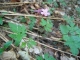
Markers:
point(45, 12)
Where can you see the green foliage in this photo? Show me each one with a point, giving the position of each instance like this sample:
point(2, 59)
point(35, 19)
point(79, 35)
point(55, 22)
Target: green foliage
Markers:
point(39, 58)
point(18, 32)
point(1, 21)
point(1, 50)
point(64, 29)
point(5, 46)
point(51, 10)
point(23, 20)
point(49, 1)
point(71, 35)
point(68, 19)
point(55, 4)
point(31, 43)
point(46, 57)
point(47, 24)
point(63, 3)
point(23, 45)
point(52, 2)
point(32, 22)
point(78, 11)
point(73, 44)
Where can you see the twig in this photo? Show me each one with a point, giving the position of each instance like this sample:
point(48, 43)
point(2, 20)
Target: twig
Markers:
point(32, 57)
point(5, 39)
point(18, 14)
point(6, 11)
point(9, 6)
point(51, 39)
point(2, 37)
point(19, 3)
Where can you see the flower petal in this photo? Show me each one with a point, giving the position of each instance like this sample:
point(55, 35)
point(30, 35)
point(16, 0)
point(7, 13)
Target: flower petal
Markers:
point(48, 13)
point(45, 12)
point(42, 13)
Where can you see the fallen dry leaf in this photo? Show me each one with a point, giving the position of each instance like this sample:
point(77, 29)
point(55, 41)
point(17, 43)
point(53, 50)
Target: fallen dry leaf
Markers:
point(10, 55)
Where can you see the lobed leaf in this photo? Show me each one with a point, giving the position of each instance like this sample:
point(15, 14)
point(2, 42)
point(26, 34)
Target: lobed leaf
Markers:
point(31, 43)
point(64, 29)
point(19, 32)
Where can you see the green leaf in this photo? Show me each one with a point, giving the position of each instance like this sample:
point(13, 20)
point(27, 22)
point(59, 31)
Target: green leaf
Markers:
point(1, 50)
point(43, 22)
point(74, 50)
point(72, 24)
point(51, 10)
point(66, 37)
point(47, 24)
point(39, 58)
point(68, 19)
point(73, 44)
point(47, 29)
point(75, 37)
point(31, 43)
point(73, 29)
point(78, 9)
point(63, 3)
point(32, 22)
point(1, 21)
point(17, 37)
point(7, 44)
point(55, 4)
point(77, 31)
point(23, 45)
point(49, 1)
point(71, 34)
point(61, 0)
point(51, 58)
point(17, 28)
point(48, 57)
point(19, 32)
point(23, 20)
point(64, 29)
